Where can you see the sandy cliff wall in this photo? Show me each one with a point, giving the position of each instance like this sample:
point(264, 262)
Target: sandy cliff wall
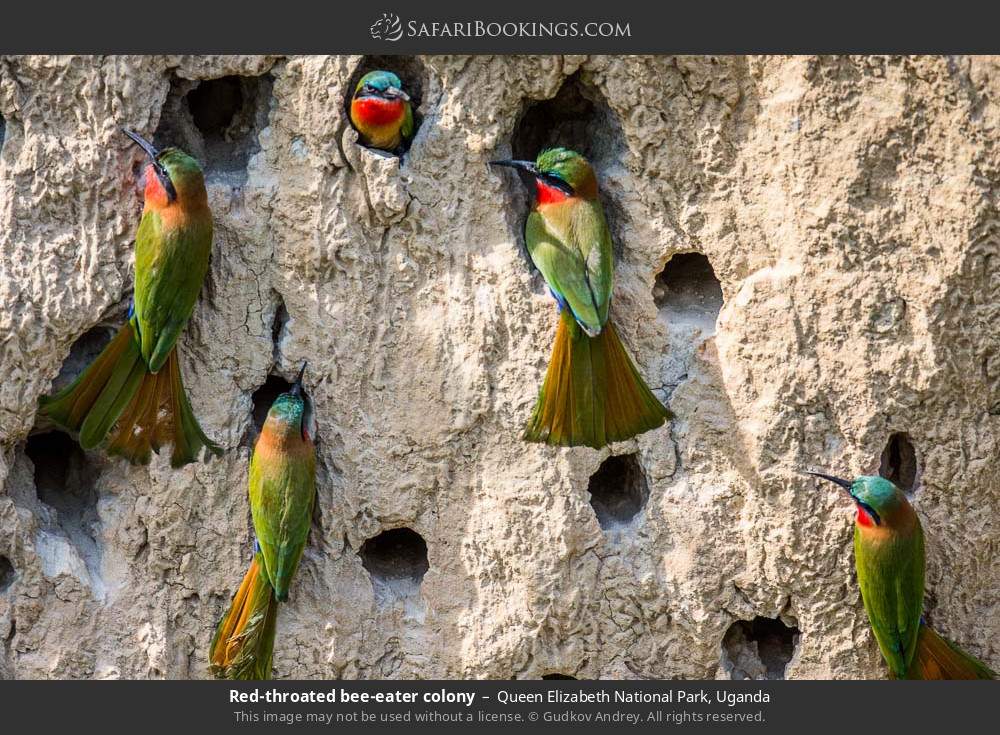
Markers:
point(840, 310)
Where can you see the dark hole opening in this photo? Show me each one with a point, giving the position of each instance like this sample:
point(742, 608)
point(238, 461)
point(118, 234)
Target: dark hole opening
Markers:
point(64, 477)
point(411, 73)
point(3, 131)
point(618, 490)
point(577, 118)
point(396, 554)
point(687, 289)
point(264, 396)
point(758, 649)
point(899, 462)
point(559, 677)
point(214, 103)
point(7, 574)
point(66, 484)
point(218, 121)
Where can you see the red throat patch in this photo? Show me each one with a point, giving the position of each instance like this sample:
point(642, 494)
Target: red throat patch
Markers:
point(377, 112)
point(548, 194)
point(864, 519)
point(155, 194)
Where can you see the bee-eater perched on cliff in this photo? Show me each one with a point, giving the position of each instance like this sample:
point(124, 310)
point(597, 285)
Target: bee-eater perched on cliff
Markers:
point(282, 492)
point(592, 395)
point(381, 112)
point(889, 558)
point(132, 394)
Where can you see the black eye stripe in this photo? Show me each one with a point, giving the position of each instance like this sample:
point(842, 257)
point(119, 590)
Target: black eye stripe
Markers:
point(164, 177)
point(558, 182)
point(871, 511)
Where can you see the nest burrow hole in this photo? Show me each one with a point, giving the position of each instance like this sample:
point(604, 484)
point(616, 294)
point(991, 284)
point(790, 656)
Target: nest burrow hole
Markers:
point(758, 649)
point(618, 490)
point(411, 73)
point(899, 462)
point(264, 396)
point(558, 677)
point(578, 117)
point(218, 121)
point(394, 557)
point(687, 291)
point(65, 481)
point(3, 131)
point(7, 574)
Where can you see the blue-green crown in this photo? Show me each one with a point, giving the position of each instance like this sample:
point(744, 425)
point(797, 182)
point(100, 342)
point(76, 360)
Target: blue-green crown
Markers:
point(379, 79)
point(876, 494)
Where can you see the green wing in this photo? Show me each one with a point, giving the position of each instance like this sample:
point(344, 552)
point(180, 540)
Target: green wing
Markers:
point(282, 492)
point(170, 266)
point(891, 577)
point(571, 246)
point(406, 129)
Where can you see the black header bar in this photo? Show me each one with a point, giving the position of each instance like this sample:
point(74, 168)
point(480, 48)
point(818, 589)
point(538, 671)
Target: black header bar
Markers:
point(513, 26)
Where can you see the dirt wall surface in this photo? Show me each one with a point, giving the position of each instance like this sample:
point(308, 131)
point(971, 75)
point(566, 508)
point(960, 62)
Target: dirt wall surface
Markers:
point(806, 273)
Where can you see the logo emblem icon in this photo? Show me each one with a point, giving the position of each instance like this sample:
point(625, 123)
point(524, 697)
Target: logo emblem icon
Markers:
point(387, 28)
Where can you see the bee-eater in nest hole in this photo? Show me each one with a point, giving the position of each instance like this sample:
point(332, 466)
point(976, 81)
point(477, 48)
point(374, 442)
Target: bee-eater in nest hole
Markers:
point(593, 394)
point(381, 112)
point(889, 558)
point(132, 393)
point(282, 493)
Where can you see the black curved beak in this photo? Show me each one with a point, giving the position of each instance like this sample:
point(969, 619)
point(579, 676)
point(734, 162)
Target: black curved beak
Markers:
point(153, 154)
point(142, 143)
point(526, 166)
point(846, 484)
point(297, 385)
point(395, 93)
point(532, 170)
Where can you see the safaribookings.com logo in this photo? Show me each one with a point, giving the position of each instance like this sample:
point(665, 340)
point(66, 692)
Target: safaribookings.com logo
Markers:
point(390, 28)
point(387, 28)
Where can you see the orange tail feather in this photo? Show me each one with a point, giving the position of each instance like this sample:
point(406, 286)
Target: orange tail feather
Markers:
point(159, 413)
point(139, 432)
point(939, 658)
point(244, 641)
point(70, 406)
point(592, 395)
point(136, 411)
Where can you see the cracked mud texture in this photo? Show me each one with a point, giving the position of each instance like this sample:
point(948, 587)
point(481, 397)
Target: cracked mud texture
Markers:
point(847, 207)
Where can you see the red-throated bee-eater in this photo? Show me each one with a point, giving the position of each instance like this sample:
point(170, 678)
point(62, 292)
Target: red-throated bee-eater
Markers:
point(132, 394)
point(282, 493)
point(381, 112)
point(889, 558)
point(593, 394)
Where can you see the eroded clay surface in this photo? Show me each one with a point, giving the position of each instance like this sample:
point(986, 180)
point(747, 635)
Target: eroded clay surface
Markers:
point(846, 205)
